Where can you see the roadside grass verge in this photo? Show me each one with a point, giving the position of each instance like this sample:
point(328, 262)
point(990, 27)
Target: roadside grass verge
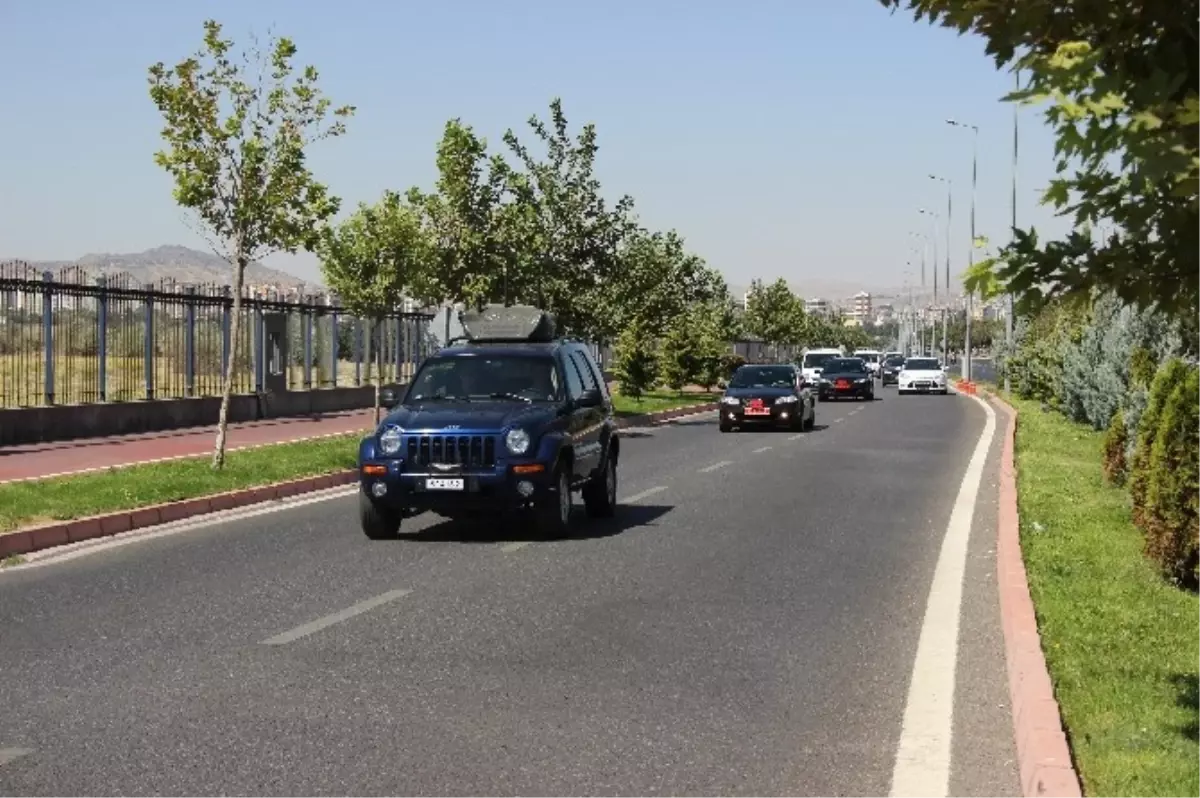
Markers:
point(657, 401)
point(1121, 644)
point(25, 504)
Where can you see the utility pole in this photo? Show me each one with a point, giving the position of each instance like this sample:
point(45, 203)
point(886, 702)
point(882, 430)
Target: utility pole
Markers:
point(970, 252)
point(1008, 317)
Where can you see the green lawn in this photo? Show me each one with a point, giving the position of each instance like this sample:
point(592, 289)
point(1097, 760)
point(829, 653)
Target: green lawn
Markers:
point(24, 504)
point(1123, 646)
point(656, 401)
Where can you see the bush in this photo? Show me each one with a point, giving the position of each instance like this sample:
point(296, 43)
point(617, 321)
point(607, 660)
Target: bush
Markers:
point(637, 364)
point(1169, 515)
point(679, 357)
point(1172, 374)
point(1114, 450)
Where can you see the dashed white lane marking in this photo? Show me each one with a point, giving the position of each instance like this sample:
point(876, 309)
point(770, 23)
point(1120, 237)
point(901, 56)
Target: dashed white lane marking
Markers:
point(508, 548)
point(647, 493)
point(762, 449)
point(923, 754)
point(796, 437)
point(839, 420)
point(715, 466)
point(329, 620)
point(9, 754)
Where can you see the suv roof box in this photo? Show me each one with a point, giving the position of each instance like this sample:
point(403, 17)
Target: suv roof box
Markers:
point(511, 324)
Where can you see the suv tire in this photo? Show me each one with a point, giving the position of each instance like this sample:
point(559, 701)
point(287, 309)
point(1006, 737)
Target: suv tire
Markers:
point(600, 494)
point(378, 523)
point(552, 516)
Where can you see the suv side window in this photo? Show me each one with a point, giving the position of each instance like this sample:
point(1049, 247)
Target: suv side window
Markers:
point(574, 383)
point(589, 379)
point(591, 372)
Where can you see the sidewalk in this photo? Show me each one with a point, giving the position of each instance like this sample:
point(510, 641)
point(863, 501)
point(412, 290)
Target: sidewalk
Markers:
point(58, 458)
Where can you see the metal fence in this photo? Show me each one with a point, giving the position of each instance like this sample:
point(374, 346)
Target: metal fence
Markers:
point(71, 338)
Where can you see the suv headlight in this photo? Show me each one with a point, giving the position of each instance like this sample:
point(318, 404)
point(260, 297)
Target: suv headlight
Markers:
point(517, 441)
point(730, 400)
point(389, 441)
point(786, 400)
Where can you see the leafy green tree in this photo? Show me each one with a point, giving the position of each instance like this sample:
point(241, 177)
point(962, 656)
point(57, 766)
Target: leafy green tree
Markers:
point(374, 259)
point(774, 313)
point(637, 362)
point(570, 235)
point(1125, 113)
point(236, 133)
point(681, 352)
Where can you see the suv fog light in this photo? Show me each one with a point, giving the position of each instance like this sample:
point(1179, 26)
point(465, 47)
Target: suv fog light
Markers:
point(378, 490)
point(525, 488)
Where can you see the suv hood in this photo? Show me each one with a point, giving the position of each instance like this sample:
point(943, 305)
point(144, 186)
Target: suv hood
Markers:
point(467, 416)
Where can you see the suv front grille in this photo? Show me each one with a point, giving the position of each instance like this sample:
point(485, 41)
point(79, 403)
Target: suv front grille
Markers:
point(464, 450)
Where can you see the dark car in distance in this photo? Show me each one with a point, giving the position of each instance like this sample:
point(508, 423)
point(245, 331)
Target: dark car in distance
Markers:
point(846, 378)
point(767, 395)
point(889, 372)
point(513, 419)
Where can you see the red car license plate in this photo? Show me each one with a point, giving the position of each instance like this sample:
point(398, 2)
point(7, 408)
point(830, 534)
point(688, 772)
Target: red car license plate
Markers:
point(842, 383)
point(758, 411)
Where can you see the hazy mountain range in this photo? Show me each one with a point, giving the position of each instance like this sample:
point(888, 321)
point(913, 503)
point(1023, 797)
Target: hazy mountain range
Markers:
point(181, 264)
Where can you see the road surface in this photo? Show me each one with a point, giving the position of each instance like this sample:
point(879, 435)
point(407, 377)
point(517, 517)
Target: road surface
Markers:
point(747, 625)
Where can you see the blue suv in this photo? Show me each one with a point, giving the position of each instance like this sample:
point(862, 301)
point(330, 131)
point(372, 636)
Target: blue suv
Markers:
point(512, 419)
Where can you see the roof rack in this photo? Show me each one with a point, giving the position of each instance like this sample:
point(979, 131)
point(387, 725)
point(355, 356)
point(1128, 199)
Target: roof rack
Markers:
point(512, 324)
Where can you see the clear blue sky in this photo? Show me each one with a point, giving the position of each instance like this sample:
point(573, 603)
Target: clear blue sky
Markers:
point(780, 138)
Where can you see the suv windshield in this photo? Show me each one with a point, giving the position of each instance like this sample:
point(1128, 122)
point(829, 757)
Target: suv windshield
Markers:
point(818, 360)
point(505, 377)
point(763, 377)
point(845, 365)
point(921, 364)
point(870, 357)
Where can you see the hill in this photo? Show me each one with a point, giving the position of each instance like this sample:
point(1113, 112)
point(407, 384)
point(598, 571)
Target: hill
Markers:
point(181, 264)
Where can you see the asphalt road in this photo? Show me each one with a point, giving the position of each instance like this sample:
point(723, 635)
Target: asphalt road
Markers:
point(747, 625)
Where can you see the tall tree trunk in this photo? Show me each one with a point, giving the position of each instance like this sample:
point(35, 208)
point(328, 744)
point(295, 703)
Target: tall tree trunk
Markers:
point(235, 327)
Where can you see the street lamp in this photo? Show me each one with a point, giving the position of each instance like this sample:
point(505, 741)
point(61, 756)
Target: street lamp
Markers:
point(970, 252)
point(1008, 317)
point(949, 222)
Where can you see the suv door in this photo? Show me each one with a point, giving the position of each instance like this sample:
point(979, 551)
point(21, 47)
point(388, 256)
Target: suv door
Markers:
point(588, 452)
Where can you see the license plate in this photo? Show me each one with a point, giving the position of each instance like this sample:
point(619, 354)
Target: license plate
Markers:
point(843, 384)
point(435, 483)
point(758, 411)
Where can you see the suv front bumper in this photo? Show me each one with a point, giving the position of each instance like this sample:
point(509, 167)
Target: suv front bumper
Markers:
point(505, 487)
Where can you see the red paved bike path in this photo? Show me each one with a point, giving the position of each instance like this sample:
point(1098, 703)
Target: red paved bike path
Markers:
point(33, 460)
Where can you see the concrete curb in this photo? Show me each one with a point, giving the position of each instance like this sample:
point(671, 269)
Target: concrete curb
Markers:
point(1043, 754)
point(27, 541)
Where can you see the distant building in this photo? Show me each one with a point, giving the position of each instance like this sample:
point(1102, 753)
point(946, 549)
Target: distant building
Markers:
point(860, 307)
point(817, 306)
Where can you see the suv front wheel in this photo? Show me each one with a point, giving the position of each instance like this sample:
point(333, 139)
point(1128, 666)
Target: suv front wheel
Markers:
point(553, 514)
point(378, 523)
point(600, 494)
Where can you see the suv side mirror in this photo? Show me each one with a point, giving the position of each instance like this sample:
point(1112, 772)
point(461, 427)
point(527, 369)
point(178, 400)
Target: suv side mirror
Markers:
point(590, 398)
point(388, 398)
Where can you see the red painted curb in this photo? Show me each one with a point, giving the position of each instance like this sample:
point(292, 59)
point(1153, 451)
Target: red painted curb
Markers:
point(27, 541)
point(1043, 754)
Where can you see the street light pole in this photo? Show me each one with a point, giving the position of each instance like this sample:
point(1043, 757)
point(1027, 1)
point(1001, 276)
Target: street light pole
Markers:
point(1008, 317)
point(970, 252)
point(949, 224)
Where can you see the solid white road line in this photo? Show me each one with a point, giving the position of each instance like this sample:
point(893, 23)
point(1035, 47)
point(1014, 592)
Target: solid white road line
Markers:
point(762, 449)
point(329, 620)
point(923, 754)
point(9, 754)
point(715, 466)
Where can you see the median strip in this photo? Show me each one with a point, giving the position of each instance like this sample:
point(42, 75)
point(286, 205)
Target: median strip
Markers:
point(42, 514)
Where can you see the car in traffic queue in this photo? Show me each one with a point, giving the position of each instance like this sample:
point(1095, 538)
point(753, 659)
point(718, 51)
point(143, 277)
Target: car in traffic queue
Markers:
point(889, 369)
point(767, 395)
point(846, 378)
point(871, 357)
point(512, 419)
point(922, 375)
point(813, 361)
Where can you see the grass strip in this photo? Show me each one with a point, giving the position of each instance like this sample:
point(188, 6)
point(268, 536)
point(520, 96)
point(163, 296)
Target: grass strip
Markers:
point(25, 504)
point(658, 401)
point(1122, 645)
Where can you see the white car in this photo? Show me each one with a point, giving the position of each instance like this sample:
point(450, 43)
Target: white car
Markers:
point(872, 357)
point(922, 375)
point(813, 363)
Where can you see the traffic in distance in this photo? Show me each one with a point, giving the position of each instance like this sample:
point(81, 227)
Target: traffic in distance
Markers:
point(513, 419)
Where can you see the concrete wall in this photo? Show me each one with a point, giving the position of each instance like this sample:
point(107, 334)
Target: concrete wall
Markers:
point(68, 422)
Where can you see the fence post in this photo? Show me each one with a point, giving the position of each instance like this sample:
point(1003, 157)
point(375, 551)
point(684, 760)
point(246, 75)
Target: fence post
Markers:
point(48, 335)
point(307, 321)
point(189, 342)
point(226, 331)
point(399, 349)
point(260, 349)
point(335, 346)
point(358, 351)
point(102, 337)
point(148, 343)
